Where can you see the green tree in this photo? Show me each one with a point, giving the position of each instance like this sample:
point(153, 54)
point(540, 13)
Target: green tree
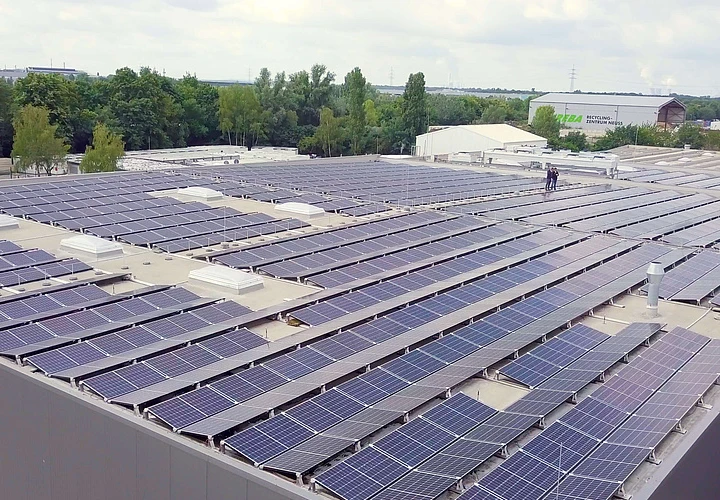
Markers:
point(371, 113)
point(107, 148)
point(329, 134)
point(712, 140)
point(240, 112)
point(228, 104)
point(6, 113)
point(54, 93)
point(355, 84)
point(308, 93)
point(449, 110)
point(414, 108)
point(199, 103)
point(574, 141)
point(36, 144)
point(545, 124)
point(642, 135)
point(690, 134)
point(494, 113)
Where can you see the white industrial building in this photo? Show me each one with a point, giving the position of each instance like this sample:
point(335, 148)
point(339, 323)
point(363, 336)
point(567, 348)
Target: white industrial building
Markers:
point(600, 112)
point(474, 138)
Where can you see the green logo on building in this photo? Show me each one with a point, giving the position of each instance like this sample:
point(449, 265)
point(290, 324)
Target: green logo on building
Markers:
point(569, 118)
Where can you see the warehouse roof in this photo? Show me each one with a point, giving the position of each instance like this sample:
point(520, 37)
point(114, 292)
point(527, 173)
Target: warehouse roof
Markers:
point(608, 99)
point(498, 132)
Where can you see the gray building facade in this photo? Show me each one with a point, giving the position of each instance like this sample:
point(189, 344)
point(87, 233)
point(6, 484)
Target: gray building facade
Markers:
point(600, 112)
point(58, 444)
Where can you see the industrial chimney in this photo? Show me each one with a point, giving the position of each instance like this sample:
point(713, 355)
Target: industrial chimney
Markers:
point(655, 273)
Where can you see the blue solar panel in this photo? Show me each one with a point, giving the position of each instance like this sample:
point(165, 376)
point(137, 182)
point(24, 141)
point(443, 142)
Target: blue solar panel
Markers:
point(338, 403)
point(362, 391)
point(287, 367)
point(236, 388)
point(351, 479)
point(385, 381)
point(207, 400)
point(176, 413)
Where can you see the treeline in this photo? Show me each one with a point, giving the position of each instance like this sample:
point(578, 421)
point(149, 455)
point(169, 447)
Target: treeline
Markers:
point(312, 110)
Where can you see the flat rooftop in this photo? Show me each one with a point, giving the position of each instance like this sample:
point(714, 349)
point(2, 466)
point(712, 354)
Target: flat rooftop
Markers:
point(420, 287)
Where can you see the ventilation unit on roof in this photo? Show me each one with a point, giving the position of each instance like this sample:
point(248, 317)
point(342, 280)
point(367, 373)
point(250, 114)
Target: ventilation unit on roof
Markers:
point(300, 209)
point(225, 279)
point(200, 193)
point(91, 247)
point(8, 222)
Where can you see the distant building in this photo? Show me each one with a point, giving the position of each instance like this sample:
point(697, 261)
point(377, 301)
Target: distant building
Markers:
point(474, 138)
point(14, 75)
point(600, 112)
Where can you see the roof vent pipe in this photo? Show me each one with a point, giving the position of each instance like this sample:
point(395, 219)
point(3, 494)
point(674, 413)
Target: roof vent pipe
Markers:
point(655, 273)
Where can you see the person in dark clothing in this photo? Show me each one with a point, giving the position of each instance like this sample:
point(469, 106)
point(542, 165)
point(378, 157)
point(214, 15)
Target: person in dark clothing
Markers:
point(548, 179)
point(553, 185)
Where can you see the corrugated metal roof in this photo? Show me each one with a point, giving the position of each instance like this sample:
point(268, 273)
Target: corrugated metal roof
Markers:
point(497, 132)
point(607, 99)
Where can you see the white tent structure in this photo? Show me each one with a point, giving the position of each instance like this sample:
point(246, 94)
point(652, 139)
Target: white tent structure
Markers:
point(474, 138)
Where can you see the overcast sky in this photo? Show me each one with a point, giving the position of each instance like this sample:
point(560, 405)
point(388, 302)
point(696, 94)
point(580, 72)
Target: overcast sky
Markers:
point(615, 45)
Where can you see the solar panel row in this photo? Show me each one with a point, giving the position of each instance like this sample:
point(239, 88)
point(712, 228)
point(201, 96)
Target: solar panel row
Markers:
point(473, 445)
point(268, 253)
point(449, 274)
point(542, 463)
point(467, 366)
point(692, 280)
point(452, 232)
point(127, 345)
point(375, 181)
point(144, 397)
point(66, 329)
point(394, 324)
point(528, 199)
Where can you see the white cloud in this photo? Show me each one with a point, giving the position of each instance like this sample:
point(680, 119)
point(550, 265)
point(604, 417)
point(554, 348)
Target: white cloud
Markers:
point(616, 45)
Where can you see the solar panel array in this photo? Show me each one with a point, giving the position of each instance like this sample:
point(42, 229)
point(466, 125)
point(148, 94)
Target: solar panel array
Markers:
point(543, 362)
point(307, 455)
point(367, 472)
point(580, 213)
point(447, 235)
point(141, 397)
point(635, 440)
point(481, 207)
point(19, 309)
point(666, 224)
point(383, 329)
point(375, 182)
point(19, 266)
point(493, 331)
point(604, 201)
point(448, 274)
point(704, 234)
point(69, 328)
point(416, 258)
point(692, 280)
point(673, 178)
point(357, 235)
point(608, 222)
point(606, 416)
point(127, 345)
point(66, 199)
point(480, 334)
point(471, 445)
point(119, 207)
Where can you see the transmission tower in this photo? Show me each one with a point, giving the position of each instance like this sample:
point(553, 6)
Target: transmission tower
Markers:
point(391, 76)
point(573, 77)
